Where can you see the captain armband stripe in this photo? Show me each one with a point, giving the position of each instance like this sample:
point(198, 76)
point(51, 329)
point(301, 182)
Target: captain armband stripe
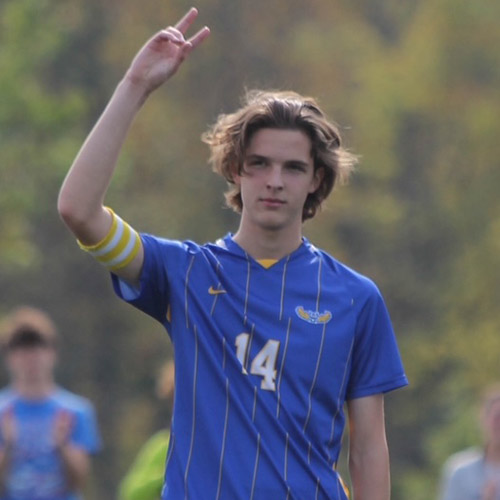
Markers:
point(118, 248)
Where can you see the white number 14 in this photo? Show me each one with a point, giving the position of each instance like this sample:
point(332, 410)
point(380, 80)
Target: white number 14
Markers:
point(264, 363)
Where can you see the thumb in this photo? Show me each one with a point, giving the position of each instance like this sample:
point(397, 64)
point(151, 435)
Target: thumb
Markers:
point(186, 50)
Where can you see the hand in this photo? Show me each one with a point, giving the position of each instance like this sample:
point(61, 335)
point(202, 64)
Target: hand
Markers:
point(8, 427)
point(63, 424)
point(162, 55)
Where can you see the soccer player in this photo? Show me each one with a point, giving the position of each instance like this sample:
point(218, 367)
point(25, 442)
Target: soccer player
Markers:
point(271, 335)
point(47, 434)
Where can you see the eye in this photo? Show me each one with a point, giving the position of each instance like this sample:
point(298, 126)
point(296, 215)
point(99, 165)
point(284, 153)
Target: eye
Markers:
point(296, 167)
point(256, 162)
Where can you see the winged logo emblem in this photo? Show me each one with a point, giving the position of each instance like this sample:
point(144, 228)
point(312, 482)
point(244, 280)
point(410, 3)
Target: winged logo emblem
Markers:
point(313, 317)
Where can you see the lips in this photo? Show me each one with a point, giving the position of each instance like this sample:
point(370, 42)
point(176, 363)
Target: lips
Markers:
point(272, 202)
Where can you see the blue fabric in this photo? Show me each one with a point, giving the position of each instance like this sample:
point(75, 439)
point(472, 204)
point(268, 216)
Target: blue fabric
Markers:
point(35, 472)
point(265, 359)
point(467, 474)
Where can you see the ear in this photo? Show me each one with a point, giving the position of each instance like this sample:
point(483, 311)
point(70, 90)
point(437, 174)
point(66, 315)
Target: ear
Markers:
point(317, 179)
point(235, 174)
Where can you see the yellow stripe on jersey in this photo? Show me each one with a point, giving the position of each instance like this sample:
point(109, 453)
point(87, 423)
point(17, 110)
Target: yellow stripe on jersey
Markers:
point(344, 486)
point(267, 263)
point(118, 248)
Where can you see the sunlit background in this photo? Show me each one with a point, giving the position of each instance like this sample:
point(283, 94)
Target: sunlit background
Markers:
point(415, 86)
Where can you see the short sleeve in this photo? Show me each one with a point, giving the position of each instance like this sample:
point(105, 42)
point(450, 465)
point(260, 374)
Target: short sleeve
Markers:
point(376, 362)
point(85, 430)
point(162, 259)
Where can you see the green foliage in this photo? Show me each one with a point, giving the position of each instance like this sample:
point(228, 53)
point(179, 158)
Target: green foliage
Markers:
point(36, 123)
point(415, 88)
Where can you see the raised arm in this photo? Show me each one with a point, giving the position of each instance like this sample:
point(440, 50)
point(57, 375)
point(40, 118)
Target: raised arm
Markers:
point(81, 199)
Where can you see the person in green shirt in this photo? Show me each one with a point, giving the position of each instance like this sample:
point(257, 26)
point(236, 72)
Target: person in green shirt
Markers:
point(144, 479)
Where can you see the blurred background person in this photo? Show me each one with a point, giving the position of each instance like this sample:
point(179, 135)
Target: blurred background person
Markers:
point(474, 474)
point(144, 479)
point(47, 433)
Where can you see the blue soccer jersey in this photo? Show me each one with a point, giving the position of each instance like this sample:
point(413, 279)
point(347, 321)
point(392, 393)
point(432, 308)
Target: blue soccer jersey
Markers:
point(265, 359)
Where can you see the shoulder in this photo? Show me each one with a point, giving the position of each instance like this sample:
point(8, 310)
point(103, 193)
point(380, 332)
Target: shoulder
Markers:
point(358, 284)
point(168, 248)
point(71, 401)
point(157, 242)
point(463, 461)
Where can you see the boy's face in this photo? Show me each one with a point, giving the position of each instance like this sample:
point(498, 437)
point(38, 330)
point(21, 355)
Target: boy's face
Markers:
point(33, 363)
point(278, 175)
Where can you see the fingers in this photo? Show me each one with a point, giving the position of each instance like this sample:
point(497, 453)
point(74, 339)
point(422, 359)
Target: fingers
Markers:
point(196, 39)
point(176, 34)
point(187, 20)
point(172, 35)
point(63, 426)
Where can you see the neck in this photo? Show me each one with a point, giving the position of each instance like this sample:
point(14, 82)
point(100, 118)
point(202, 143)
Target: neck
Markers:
point(262, 243)
point(33, 389)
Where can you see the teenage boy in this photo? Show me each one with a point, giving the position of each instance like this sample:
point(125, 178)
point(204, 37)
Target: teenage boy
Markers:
point(47, 434)
point(271, 335)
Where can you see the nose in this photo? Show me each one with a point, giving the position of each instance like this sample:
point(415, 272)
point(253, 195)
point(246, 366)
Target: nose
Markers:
point(275, 177)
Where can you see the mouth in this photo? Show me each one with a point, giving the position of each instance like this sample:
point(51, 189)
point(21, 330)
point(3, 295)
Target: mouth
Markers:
point(272, 202)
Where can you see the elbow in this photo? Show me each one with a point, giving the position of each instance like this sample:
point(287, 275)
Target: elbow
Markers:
point(64, 208)
point(68, 211)
point(76, 217)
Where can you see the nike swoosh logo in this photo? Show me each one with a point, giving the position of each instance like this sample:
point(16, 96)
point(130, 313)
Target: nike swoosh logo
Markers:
point(215, 291)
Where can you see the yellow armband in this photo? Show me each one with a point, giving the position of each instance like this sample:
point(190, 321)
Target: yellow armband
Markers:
point(118, 248)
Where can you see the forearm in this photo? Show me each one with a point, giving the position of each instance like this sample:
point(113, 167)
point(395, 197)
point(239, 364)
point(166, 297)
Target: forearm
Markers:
point(76, 465)
point(82, 195)
point(368, 452)
point(370, 476)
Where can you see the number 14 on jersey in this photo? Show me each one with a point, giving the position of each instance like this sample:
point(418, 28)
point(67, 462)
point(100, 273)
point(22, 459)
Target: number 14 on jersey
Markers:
point(264, 363)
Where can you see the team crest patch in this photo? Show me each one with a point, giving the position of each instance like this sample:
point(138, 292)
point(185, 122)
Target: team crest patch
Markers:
point(313, 317)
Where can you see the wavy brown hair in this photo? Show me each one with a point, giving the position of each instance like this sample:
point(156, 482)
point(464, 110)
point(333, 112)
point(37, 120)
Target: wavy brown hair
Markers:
point(230, 136)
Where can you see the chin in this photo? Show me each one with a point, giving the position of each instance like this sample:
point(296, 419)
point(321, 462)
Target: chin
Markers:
point(271, 225)
point(271, 221)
